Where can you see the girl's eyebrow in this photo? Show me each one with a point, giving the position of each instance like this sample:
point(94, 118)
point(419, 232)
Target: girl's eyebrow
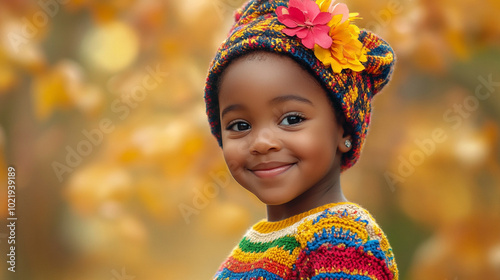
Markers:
point(289, 97)
point(279, 99)
point(230, 108)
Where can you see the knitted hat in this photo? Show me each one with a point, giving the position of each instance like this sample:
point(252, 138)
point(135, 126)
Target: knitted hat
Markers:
point(352, 66)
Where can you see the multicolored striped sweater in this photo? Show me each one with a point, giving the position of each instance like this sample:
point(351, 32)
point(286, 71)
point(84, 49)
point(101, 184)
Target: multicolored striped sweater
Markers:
point(334, 241)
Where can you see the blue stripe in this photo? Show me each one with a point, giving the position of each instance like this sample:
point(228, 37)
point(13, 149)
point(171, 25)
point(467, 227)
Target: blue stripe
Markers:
point(335, 237)
point(348, 239)
point(340, 275)
point(227, 274)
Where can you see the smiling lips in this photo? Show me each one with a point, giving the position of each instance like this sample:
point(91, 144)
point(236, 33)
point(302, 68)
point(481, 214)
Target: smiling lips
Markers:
point(270, 169)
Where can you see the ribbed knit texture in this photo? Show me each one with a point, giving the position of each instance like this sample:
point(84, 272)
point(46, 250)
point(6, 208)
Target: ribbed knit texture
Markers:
point(335, 241)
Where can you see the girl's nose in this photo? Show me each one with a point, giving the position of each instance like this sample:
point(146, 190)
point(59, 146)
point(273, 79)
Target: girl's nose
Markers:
point(265, 141)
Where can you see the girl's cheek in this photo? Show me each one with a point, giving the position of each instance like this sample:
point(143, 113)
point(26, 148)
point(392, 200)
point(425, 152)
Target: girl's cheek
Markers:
point(237, 147)
point(302, 142)
point(233, 154)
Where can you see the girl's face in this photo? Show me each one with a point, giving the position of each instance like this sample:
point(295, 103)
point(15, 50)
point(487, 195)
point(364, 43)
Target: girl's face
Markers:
point(280, 136)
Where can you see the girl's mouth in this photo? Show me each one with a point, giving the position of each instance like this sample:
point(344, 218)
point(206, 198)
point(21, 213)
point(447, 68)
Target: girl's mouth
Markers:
point(270, 169)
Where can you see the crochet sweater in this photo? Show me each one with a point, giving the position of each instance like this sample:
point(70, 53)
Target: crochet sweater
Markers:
point(334, 241)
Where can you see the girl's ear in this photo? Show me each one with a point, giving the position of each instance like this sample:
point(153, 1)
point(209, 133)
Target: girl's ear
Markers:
point(344, 134)
point(345, 139)
point(345, 143)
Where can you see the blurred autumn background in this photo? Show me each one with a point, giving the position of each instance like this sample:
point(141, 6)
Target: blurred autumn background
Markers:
point(118, 177)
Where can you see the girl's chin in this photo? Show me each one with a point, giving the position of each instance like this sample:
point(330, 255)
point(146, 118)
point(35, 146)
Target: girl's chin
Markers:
point(272, 201)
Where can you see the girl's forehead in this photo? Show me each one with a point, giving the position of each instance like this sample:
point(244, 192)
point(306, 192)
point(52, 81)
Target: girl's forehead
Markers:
point(265, 71)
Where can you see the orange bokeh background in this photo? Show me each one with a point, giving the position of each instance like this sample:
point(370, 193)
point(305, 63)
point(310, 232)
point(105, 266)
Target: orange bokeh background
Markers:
point(118, 176)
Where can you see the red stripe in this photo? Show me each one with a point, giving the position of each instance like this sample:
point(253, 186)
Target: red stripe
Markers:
point(332, 259)
point(237, 266)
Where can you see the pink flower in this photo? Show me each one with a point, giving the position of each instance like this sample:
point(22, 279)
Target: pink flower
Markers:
point(305, 20)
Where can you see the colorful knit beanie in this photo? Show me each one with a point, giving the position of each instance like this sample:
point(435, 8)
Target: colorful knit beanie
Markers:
point(351, 64)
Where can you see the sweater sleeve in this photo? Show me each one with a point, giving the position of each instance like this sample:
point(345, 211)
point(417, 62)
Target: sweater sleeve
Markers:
point(344, 244)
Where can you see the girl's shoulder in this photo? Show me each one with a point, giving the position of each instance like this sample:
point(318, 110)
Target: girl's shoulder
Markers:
point(344, 235)
point(342, 219)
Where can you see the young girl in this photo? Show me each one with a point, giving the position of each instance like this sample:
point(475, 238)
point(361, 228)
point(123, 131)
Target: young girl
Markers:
point(288, 98)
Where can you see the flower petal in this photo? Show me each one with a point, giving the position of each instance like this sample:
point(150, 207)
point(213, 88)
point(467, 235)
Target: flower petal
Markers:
point(323, 55)
point(302, 32)
point(289, 22)
point(341, 9)
point(336, 66)
point(308, 41)
point(331, 6)
point(297, 15)
point(321, 38)
point(357, 68)
point(335, 20)
point(299, 4)
point(281, 10)
point(322, 28)
point(322, 18)
point(284, 17)
point(324, 5)
point(291, 31)
point(311, 9)
point(353, 16)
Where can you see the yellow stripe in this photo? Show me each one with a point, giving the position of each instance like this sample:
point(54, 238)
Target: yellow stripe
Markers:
point(342, 269)
point(277, 255)
point(268, 227)
point(307, 229)
point(346, 271)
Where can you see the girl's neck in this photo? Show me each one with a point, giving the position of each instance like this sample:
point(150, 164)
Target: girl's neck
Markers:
point(310, 199)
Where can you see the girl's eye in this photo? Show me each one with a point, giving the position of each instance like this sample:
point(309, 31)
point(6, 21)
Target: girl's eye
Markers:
point(292, 119)
point(238, 126)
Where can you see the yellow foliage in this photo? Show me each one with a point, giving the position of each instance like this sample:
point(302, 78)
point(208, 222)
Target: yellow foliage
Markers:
point(121, 205)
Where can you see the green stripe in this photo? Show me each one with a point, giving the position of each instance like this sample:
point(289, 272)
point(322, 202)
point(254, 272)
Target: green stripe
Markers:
point(286, 242)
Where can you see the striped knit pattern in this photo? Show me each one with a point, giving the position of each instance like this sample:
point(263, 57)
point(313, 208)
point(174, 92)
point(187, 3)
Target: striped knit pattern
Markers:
point(335, 241)
point(257, 27)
